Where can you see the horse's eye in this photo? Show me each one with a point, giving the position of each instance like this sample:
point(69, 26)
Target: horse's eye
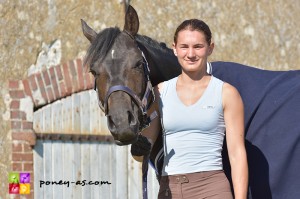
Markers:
point(139, 65)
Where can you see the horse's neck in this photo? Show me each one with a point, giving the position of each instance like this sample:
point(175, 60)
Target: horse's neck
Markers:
point(162, 62)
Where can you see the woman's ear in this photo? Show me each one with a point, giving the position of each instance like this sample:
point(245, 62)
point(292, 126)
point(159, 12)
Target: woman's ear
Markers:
point(211, 48)
point(174, 49)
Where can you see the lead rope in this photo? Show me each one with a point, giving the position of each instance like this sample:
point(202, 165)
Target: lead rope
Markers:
point(153, 115)
point(145, 173)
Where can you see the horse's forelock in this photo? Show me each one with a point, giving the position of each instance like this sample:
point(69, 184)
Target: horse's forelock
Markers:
point(101, 45)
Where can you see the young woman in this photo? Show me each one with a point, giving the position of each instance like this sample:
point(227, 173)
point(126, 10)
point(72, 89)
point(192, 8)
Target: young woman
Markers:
point(196, 111)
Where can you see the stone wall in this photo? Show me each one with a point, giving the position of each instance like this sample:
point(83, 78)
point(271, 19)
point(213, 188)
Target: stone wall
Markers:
point(264, 34)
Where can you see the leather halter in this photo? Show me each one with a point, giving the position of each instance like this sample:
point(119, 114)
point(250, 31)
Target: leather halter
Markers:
point(143, 103)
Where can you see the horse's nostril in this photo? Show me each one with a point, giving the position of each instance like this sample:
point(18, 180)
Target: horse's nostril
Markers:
point(131, 119)
point(111, 125)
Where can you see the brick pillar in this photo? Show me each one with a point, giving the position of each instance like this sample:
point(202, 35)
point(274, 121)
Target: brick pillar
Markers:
point(23, 137)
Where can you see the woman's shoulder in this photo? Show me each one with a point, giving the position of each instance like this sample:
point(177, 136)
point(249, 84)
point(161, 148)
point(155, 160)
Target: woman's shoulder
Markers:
point(226, 86)
point(231, 94)
point(230, 89)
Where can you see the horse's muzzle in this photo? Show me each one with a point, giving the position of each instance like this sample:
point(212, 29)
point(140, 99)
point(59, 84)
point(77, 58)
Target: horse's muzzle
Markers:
point(126, 142)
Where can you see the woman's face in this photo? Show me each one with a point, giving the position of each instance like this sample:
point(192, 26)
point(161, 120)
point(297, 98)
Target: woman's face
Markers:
point(192, 50)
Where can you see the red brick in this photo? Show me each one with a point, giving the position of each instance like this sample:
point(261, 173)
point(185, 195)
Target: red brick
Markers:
point(17, 196)
point(85, 68)
point(19, 157)
point(27, 125)
point(80, 74)
point(27, 196)
point(41, 86)
point(30, 137)
point(54, 83)
point(13, 84)
point(31, 176)
point(17, 94)
point(31, 181)
point(16, 125)
point(63, 92)
point(27, 147)
point(58, 72)
point(46, 77)
point(17, 147)
point(50, 94)
point(15, 104)
point(32, 82)
point(16, 166)
point(74, 76)
point(89, 81)
point(28, 167)
point(67, 78)
point(72, 68)
point(20, 115)
point(27, 89)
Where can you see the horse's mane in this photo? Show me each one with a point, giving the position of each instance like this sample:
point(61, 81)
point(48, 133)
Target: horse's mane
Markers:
point(162, 61)
point(101, 45)
point(153, 44)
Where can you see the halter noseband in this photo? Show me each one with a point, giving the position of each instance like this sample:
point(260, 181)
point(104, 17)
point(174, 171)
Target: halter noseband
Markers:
point(143, 103)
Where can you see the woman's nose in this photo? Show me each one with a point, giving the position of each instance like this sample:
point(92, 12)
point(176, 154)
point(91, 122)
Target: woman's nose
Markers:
point(191, 52)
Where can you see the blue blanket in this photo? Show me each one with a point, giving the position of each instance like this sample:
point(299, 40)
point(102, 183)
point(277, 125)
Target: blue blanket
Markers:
point(272, 122)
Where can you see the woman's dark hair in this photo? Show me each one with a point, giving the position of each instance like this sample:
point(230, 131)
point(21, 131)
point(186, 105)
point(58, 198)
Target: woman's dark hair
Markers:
point(194, 24)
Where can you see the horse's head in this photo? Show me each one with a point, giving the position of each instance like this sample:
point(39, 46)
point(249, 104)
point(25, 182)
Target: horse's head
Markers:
point(121, 77)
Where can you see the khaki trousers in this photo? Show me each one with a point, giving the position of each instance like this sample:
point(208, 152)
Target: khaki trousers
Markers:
point(200, 185)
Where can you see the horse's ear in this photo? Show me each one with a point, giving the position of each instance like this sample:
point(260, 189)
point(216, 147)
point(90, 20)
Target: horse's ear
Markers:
point(131, 21)
point(88, 32)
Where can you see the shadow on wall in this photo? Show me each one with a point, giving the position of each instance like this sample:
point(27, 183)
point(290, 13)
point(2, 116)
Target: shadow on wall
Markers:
point(259, 185)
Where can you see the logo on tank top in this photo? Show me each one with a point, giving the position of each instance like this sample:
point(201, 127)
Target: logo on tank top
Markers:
point(208, 107)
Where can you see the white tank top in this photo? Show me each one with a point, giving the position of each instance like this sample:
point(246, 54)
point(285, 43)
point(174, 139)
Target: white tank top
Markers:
point(193, 135)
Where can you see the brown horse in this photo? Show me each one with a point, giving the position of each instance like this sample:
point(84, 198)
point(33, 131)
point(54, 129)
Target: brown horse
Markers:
point(120, 62)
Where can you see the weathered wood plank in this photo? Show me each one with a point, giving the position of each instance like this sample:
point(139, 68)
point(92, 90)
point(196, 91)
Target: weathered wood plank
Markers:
point(56, 111)
point(121, 171)
point(94, 170)
point(38, 120)
point(85, 112)
point(48, 189)
point(76, 125)
point(68, 168)
point(67, 116)
point(57, 169)
point(153, 185)
point(47, 119)
point(38, 166)
point(105, 171)
point(134, 177)
point(94, 113)
point(77, 172)
point(85, 170)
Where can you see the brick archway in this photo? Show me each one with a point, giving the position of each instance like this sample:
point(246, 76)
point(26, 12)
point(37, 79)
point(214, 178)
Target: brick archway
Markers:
point(35, 91)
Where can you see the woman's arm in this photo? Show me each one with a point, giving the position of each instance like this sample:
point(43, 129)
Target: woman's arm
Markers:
point(234, 122)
